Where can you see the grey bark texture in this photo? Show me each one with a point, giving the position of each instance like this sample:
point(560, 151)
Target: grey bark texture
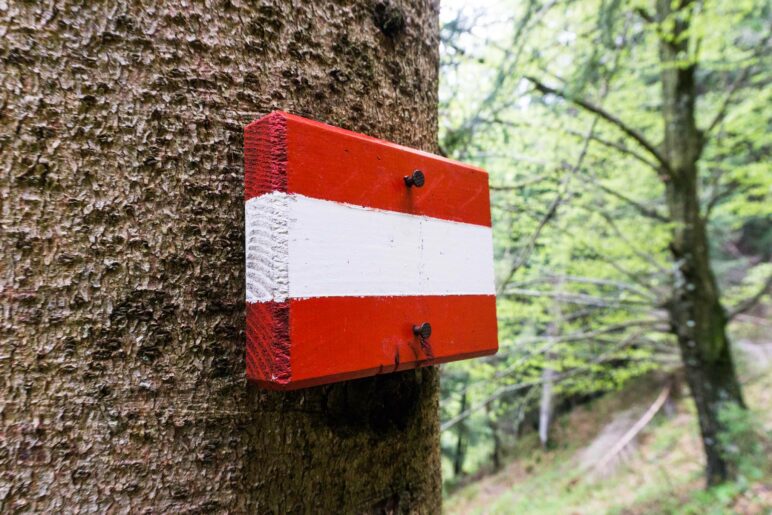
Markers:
point(122, 358)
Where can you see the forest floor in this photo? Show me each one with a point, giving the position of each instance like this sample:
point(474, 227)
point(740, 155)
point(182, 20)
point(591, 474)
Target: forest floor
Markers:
point(660, 472)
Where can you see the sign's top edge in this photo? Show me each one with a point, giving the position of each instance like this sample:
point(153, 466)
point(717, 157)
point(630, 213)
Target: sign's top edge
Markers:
point(359, 135)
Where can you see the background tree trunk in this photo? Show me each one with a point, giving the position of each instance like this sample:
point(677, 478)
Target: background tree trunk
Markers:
point(546, 404)
point(493, 425)
point(696, 315)
point(460, 454)
point(122, 364)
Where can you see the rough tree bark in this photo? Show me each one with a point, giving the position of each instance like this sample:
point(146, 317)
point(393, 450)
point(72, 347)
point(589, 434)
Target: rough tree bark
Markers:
point(696, 315)
point(122, 359)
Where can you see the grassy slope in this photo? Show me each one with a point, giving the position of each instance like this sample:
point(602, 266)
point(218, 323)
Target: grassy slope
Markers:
point(662, 474)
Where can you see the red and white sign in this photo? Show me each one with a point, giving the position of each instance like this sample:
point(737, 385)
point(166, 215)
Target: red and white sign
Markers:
point(348, 263)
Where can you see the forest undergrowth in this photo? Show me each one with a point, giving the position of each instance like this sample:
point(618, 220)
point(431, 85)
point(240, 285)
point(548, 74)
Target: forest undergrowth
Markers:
point(660, 471)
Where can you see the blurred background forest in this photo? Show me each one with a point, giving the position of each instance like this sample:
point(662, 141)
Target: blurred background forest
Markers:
point(625, 139)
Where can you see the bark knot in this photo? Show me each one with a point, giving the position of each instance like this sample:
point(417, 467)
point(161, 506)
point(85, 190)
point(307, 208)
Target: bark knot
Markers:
point(389, 19)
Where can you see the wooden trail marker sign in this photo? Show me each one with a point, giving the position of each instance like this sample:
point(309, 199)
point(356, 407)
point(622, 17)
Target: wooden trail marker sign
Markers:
point(363, 257)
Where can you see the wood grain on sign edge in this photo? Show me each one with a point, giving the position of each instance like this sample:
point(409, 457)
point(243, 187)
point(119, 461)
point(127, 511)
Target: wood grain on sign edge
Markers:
point(267, 247)
point(268, 342)
point(378, 336)
point(330, 163)
point(265, 155)
point(267, 328)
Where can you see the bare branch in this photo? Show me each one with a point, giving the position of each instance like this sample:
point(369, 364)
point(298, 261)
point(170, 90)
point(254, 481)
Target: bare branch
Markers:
point(627, 242)
point(645, 211)
point(606, 143)
point(722, 111)
point(496, 395)
point(526, 251)
point(754, 320)
point(577, 336)
point(646, 327)
point(624, 150)
point(634, 134)
point(575, 298)
point(721, 114)
point(533, 15)
point(637, 427)
point(721, 192)
point(633, 277)
point(523, 125)
point(750, 302)
point(605, 282)
point(601, 358)
point(521, 184)
point(645, 15)
point(523, 256)
point(500, 392)
point(717, 197)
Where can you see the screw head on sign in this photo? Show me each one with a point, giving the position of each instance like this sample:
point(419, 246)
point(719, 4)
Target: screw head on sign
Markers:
point(424, 330)
point(416, 179)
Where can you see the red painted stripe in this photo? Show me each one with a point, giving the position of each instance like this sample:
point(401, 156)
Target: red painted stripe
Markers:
point(341, 338)
point(330, 163)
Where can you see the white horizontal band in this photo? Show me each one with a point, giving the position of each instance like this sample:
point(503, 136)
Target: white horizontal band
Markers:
point(300, 247)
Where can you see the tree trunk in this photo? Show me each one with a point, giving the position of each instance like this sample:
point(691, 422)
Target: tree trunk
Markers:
point(546, 405)
point(493, 425)
point(122, 363)
point(460, 454)
point(696, 315)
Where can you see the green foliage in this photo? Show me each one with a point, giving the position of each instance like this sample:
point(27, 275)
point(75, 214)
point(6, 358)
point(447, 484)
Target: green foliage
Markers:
point(580, 237)
point(746, 446)
point(745, 443)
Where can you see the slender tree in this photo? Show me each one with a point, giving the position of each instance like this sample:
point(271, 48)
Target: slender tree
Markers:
point(696, 315)
point(461, 444)
point(122, 357)
point(547, 402)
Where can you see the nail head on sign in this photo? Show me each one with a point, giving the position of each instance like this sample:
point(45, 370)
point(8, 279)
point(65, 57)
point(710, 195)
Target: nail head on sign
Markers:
point(416, 179)
point(424, 330)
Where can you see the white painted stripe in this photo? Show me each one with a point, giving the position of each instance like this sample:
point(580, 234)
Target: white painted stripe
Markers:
point(301, 247)
point(267, 248)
